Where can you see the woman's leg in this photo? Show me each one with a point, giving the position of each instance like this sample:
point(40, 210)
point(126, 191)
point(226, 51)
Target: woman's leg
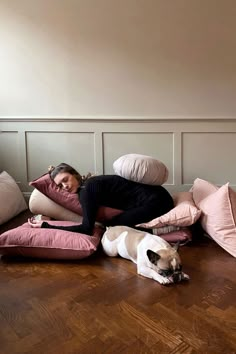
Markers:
point(141, 214)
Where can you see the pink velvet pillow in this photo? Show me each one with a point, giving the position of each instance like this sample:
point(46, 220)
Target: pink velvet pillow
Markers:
point(218, 217)
point(68, 200)
point(49, 243)
point(183, 236)
point(185, 213)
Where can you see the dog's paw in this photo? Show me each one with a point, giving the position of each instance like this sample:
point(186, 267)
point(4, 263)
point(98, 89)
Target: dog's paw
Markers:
point(180, 277)
point(184, 276)
point(166, 280)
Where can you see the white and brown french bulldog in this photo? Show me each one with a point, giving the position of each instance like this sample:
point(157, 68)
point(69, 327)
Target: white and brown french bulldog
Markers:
point(155, 258)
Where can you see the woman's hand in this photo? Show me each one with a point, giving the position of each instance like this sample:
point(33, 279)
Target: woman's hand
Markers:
point(35, 223)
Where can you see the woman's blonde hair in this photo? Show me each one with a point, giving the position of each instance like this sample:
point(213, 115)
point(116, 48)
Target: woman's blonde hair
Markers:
point(64, 167)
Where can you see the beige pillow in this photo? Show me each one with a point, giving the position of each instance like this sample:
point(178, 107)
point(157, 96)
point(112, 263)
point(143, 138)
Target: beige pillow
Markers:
point(218, 217)
point(185, 213)
point(39, 203)
point(12, 201)
point(141, 168)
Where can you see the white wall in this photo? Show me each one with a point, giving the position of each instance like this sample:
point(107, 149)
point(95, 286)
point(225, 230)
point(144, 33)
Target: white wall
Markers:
point(118, 58)
point(85, 81)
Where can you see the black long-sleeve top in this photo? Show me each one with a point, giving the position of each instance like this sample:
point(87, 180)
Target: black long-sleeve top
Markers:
point(139, 202)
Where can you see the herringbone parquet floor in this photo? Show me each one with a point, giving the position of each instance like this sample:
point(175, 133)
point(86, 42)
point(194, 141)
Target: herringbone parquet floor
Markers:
point(100, 305)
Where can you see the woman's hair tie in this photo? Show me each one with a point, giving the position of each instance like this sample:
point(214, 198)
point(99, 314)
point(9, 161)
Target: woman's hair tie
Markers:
point(50, 168)
point(84, 178)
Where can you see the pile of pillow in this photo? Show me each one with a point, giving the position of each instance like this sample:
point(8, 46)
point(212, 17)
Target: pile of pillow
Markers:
point(47, 199)
point(216, 208)
point(37, 242)
point(148, 170)
point(173, 226)
point(63, 205)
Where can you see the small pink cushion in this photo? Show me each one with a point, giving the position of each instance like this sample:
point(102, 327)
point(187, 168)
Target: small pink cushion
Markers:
point(49, 243)
point(184, 235)
point(201, 189)
point(185, 213)
point(218, 217)
point(68, 200)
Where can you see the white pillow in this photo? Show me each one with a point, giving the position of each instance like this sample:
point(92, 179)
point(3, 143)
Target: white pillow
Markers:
point(39, 203)
point(141, 168)
point(12, 201)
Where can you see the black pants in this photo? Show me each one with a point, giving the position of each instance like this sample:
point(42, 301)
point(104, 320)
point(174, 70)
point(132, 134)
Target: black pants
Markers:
point(143, 213)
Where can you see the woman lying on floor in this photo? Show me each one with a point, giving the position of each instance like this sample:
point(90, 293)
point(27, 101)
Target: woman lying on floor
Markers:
point(139, 202)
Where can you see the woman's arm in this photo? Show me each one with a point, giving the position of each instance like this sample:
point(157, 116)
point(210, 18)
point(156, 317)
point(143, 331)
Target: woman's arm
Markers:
point(73, 228)
point(90, 197)
point(45, 225)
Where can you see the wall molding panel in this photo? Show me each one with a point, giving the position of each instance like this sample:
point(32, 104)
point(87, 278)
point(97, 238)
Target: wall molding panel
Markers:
point(190, 148)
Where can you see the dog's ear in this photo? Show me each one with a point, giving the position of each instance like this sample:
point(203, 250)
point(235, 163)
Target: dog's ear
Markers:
point(153, 256)
point(176, 246)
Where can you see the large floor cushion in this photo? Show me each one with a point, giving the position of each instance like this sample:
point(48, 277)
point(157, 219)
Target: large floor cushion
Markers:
point(49, 243)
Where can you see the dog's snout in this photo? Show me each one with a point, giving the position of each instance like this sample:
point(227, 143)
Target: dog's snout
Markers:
point(177, 277)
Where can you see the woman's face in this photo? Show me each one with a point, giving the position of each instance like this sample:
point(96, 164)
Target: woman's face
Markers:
point(67, 181)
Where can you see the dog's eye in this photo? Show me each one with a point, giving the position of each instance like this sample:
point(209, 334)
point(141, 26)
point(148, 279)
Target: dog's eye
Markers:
point(179, 269)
